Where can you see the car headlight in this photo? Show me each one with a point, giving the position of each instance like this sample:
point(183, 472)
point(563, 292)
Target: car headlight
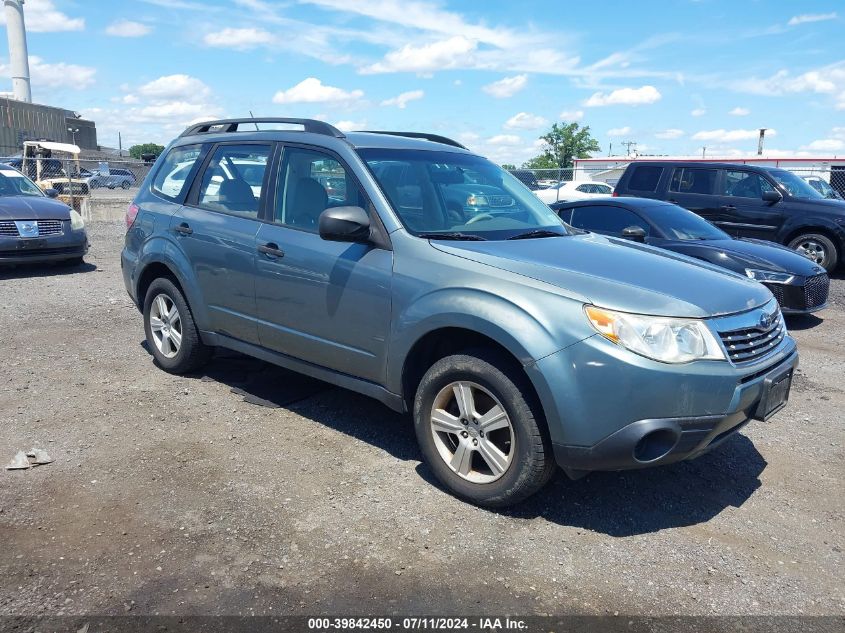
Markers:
point(668, 340)
point(76, 221)
point(768, 275)
point(477, 201)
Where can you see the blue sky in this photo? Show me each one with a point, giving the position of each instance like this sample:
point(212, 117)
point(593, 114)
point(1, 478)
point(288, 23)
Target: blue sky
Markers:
point(672, 75)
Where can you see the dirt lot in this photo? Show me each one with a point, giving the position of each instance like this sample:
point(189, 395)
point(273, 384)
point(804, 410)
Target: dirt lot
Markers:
point(175, 495)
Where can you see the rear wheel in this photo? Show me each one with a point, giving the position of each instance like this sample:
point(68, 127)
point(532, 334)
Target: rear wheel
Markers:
point(818, 248)
point(479, 430)
point(125, 184)
point(172, 335)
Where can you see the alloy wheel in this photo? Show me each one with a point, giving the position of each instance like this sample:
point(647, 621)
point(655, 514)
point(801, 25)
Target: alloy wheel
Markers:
point(812, 250)
point(166, 325)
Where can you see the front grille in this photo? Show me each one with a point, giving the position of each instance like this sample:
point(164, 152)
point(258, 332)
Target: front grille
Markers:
point(8, 229)
point(749, 344)
point(777, 291)
point(501, 201)
point(49, 227)
point(815, 290)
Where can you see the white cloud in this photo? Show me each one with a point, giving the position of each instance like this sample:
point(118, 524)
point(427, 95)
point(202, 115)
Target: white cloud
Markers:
point(127, 28)
point(572, 115)
point(811, 17)
point(619, 131)
point(427, 58)
point(59, 75)
point(41, 16)
point(699, 112)
point(825, 145)
point(504, 140)
point(348, 126)
point(625, 96)
point(671, 133)
point(828, 80)
point(739, 111)
point(525, 121)
point(729, 136)
point(312, 90)
point(402, 100)
point(239, 39)
point(506, 87)
point(175, 88)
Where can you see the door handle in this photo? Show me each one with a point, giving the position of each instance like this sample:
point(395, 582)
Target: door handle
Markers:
point(727, 207)
point(672, 201)
point(184, 229)
point(271, 250)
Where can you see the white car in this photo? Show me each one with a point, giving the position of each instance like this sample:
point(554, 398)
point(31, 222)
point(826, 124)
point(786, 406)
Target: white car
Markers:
point(574, 190)
point(823, 187)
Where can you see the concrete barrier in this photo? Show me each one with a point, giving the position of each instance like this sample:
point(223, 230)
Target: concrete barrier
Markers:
point(96, 209)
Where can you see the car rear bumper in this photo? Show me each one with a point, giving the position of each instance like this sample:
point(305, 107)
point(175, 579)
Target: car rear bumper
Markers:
point(69, 245)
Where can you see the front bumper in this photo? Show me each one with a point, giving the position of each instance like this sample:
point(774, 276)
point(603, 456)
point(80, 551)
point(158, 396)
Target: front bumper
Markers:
point(609, 409)
point(67, 245)
point(804, 295)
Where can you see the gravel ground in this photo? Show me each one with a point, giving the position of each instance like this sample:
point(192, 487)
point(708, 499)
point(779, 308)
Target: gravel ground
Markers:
point(174, 495)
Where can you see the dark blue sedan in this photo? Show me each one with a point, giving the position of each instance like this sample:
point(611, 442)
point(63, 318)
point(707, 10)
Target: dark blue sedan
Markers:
point(799, 285)
point(34, 227)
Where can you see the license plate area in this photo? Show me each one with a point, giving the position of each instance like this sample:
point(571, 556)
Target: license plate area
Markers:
point(775, 394)
point(28, 244)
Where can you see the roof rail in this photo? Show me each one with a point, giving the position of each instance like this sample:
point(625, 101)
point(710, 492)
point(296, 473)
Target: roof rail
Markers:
point(233, 125)
point(434, 138)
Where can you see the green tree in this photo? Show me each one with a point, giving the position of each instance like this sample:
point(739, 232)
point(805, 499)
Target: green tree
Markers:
point(564, 143)
point(540, 162)
point(509, 166)
point(145, 148)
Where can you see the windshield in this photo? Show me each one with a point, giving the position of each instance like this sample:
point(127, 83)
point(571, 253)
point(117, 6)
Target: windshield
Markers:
point(14, 183)
point(795, 185)
point(461, 196)
point(677, 223)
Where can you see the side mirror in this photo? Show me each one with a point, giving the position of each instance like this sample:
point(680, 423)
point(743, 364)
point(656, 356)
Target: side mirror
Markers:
point(344, 224)
point(634, 233)
point(772, 196)
point(51, 193)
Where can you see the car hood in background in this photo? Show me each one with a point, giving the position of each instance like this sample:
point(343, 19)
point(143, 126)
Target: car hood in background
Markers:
point(32, 208)
point(620, 275)
point(739, 254)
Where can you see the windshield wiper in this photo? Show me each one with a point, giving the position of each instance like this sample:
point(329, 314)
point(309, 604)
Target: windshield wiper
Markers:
point(536, 233)
point(452, 236)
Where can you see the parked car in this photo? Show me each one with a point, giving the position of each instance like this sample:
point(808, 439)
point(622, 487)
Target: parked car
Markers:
point(514, 342)
point(574, 190)
point(799, 285)
point(823, 187)
point(747, 201)
point(527, 178)
point(122, 178)
point(34, 227)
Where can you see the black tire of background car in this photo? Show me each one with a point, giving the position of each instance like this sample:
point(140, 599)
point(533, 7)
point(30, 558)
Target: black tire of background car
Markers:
point(193, 353)
point(533, 463)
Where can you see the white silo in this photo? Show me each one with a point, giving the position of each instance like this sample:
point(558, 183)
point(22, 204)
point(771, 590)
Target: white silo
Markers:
point(18, 54)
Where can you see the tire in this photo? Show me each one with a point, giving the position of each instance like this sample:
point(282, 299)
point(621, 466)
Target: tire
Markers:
point(181, 356)
point(818, 248)
point(125, 184)
point(93, 184)
point(524, 461)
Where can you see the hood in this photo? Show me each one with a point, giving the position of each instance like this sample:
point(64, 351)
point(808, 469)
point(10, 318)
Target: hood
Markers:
point(620, 275)
point(32, 208)
point(739, 254)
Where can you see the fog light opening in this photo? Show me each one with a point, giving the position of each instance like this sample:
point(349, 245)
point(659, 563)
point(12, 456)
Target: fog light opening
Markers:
point(652, 446)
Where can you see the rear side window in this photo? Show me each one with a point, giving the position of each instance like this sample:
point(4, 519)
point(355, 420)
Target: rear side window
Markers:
point(172, 176)
point(701, 181)
point(606, 219)
point(645, 178)
point(234, 179)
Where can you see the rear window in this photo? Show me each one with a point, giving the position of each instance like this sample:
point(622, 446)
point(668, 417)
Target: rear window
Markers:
point(645, 178)
point(172, 176)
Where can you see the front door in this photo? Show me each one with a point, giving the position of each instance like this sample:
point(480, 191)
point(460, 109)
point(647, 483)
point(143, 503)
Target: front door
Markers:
point(747, 214)
point(324, 302)
point(217, 230)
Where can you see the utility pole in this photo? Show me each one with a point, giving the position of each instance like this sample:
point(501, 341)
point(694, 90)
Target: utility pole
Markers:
point(119, 145)
point(760, 141)
point(610, 149)
point(703, 151)
point(628, 145)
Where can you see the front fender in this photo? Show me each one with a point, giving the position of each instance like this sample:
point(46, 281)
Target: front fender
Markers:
point(811, 223)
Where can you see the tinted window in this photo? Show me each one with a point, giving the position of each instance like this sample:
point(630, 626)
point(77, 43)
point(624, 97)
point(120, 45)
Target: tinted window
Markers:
point(795, 185)
point(311, 181)
point(604, 189)
point(606, 219)
point(645, 178)
point(686, 180)
point(677, 223)
point(171, 177)
point(585, 188)
point(234, 178)
point(565, 215)
point(745, 184)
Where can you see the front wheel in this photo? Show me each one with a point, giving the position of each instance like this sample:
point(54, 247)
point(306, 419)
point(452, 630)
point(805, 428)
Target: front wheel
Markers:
point(480, 431)
point(125, 184)
point(172, 335)
point(818, 248)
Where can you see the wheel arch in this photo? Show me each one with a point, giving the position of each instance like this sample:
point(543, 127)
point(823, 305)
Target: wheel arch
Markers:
point(159, 263)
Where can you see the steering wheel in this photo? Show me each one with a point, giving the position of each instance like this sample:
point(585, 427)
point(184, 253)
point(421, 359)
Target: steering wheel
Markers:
point(479, 217)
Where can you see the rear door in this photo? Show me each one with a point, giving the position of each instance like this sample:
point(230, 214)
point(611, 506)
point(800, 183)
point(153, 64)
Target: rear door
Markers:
point(643, 181)
point(216, 228)
point(744, 212)
point(324, 302)
point(694, 188)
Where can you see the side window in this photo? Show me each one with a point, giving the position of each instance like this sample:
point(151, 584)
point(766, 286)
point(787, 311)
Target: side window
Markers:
point(566, 215)
point(234, 178)
point(645, 178)
point(172, 175)
point(311, 181)
point(745, 184)
point(606, 219)
point(603, 189)
point(701, 181)
point(584, 188)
